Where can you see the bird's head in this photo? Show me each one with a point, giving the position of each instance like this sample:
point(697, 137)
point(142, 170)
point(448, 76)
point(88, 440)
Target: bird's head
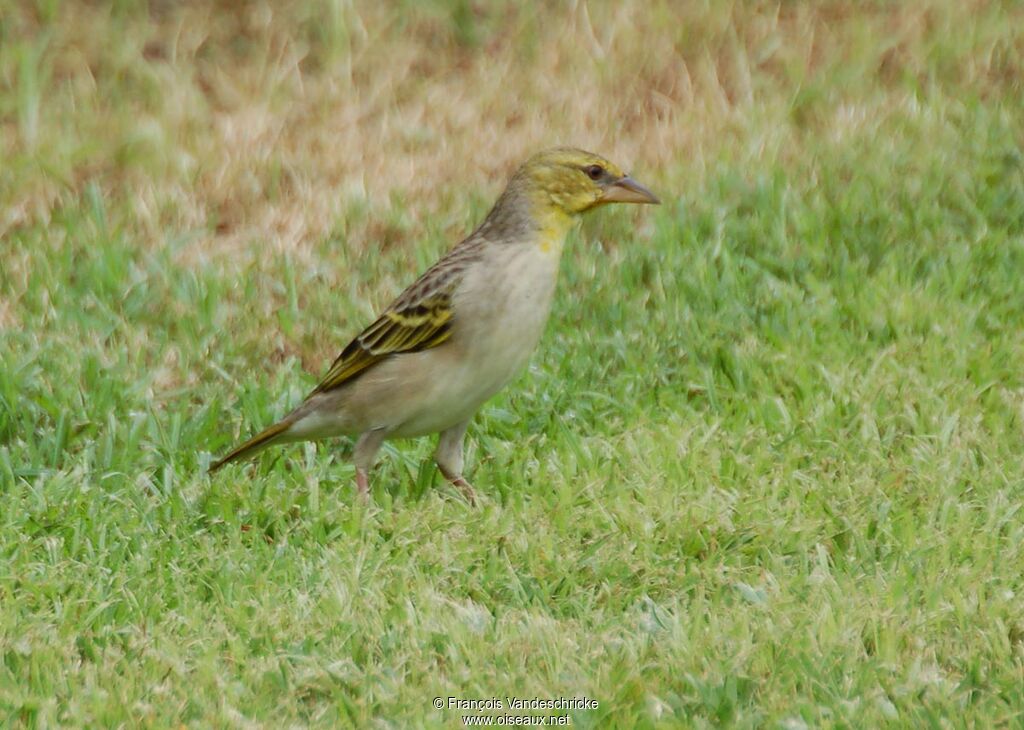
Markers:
point(574, 181)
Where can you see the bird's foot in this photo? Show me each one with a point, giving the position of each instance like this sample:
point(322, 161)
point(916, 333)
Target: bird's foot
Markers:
point(466, 489)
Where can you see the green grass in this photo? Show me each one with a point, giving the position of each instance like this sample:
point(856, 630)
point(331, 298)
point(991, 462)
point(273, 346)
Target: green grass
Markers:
point(764, 470)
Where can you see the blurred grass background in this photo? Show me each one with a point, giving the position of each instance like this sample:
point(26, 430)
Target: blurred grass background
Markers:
point(764, 470)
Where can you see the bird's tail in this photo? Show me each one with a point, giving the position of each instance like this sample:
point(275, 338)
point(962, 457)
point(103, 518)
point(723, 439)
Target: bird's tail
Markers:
point(253, 446)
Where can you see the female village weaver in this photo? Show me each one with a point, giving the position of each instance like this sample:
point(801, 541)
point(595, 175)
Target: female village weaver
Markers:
point(462, 330)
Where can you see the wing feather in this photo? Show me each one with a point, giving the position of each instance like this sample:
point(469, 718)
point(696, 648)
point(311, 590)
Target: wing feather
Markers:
point(419, 319)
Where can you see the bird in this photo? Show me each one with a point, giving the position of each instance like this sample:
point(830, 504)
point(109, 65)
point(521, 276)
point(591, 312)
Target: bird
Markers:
point(461, 331)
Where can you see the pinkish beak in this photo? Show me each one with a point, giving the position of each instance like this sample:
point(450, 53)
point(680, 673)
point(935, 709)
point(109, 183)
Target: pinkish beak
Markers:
point(628, 190)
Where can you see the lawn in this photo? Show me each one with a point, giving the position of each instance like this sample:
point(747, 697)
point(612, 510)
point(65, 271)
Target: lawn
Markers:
point(765, 469)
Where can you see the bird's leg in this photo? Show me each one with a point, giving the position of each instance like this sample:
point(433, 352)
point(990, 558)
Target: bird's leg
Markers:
point(449, 459)
point(364, 456)
point(362, 482)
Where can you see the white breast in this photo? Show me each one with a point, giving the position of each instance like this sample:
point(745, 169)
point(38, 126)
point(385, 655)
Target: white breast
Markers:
point(501, 309)
point(506, 308)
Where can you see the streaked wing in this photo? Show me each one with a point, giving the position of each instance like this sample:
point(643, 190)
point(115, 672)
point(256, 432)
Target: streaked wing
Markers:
point(420, 318)
point(421, 326)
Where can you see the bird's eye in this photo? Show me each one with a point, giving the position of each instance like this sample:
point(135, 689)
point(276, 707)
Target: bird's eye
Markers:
point(595, 172)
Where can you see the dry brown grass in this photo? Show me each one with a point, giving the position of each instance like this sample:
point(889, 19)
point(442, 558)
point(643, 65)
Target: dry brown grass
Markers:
point(258, 126)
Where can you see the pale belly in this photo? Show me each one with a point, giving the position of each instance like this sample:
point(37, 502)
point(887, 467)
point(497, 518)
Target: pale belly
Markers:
point(499, 319)
point(497, 329)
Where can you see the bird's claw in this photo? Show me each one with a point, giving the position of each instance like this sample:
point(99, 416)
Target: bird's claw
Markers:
point(466, 489)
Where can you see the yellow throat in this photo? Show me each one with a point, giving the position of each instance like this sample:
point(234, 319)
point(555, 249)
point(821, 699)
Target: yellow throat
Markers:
point(554, 225)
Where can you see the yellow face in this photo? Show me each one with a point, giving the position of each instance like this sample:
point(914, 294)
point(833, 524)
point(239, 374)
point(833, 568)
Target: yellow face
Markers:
point(575, 181)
